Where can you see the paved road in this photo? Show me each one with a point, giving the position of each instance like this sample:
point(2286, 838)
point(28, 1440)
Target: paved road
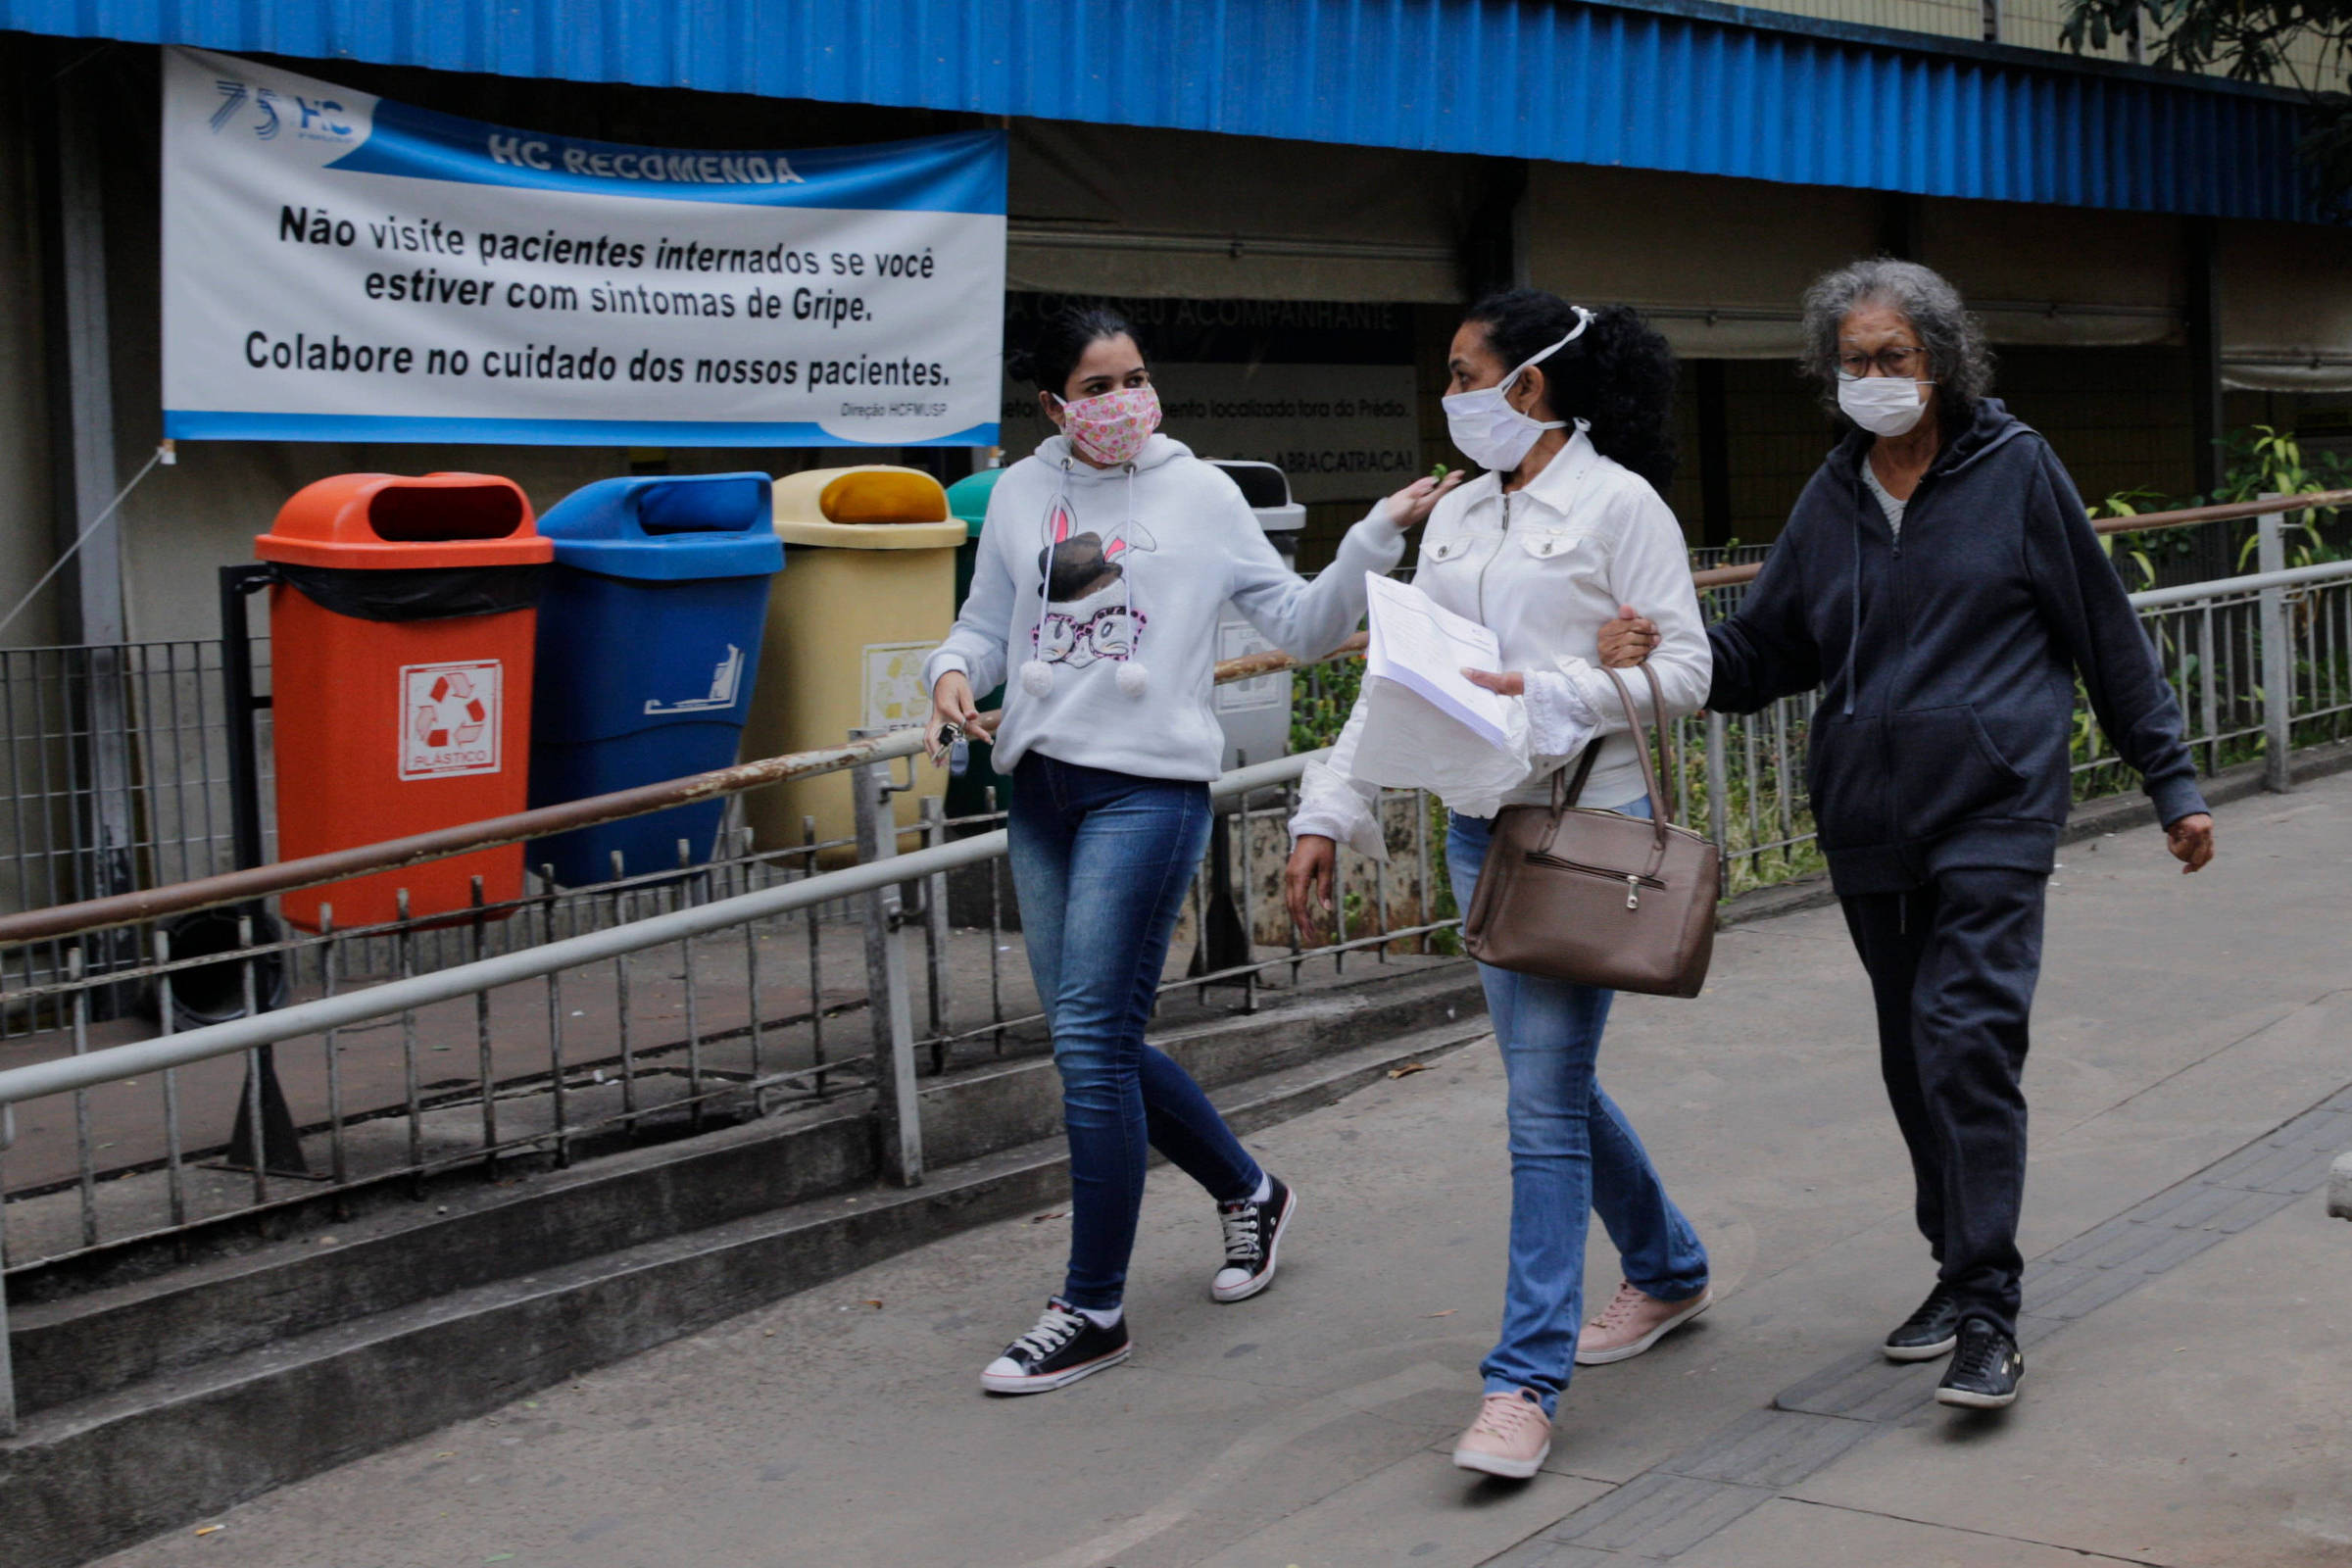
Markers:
point(2196, 1419)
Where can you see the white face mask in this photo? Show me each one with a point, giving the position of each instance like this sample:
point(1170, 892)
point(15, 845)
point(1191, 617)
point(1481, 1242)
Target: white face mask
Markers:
point(1882, 404)
point(1486, 427)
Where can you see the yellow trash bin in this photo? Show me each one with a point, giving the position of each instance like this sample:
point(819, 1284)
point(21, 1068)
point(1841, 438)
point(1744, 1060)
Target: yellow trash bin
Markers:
point(868, 592)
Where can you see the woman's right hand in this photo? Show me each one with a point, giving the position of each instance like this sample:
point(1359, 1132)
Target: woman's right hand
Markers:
point(1413, 504)
point(952, 704)
point(1306, 882)
point(1629, 639)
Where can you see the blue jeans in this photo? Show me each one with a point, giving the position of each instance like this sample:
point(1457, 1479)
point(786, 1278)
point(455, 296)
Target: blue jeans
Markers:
point(1102, 861)
point(1572, 1153)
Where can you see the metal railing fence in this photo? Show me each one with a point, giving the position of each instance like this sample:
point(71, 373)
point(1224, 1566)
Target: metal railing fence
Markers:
point(148, 808)
point(551, 1046)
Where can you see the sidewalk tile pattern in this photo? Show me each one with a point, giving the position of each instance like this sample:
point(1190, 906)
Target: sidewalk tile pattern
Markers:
point(1686, 1498)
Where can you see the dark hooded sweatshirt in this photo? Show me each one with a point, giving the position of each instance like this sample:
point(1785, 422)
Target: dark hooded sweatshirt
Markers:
point(1948, 659)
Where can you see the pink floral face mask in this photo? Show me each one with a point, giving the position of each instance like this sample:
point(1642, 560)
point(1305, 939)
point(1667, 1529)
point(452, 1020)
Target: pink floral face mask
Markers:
point(1112, 429)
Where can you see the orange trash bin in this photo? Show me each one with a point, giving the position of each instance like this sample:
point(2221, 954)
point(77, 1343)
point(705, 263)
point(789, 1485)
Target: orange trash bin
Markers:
point(401, 626)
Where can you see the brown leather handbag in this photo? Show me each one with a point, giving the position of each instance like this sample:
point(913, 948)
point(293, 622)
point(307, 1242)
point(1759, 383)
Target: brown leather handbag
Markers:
point(1571, 893)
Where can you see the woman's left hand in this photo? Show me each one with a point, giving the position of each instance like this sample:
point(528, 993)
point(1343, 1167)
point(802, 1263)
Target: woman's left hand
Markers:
point(1416, 500)
point(1500, 685)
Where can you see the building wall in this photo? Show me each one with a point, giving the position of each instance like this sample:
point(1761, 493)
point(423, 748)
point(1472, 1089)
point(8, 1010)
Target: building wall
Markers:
point(25, 507)
point(1685, 243)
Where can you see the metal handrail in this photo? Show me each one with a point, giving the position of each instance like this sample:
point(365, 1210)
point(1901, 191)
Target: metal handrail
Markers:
point(65, 1074)
point(2188, 593)
point(2145, 522)
point(90, 1070)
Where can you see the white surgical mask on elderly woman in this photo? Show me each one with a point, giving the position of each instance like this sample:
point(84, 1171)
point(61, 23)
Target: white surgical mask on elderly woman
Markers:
point(1882, 404)
point(1486, 427)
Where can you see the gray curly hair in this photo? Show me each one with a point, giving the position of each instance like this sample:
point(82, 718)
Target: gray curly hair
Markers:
point(1958, 359)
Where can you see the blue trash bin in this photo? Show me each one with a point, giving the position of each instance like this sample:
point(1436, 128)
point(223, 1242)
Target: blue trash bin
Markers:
point(649, 642)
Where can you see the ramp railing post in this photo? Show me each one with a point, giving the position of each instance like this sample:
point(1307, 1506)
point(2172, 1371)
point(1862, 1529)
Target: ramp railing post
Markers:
point(889, 998)
point(1719, 789)
point(8, 1379)
point(2278, 656)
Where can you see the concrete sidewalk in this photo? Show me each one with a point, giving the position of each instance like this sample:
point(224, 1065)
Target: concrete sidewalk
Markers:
point(2184, 1404)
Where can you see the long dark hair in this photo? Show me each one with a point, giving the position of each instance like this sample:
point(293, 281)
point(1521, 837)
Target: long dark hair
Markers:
point(1061, 341)
point(1619, 375)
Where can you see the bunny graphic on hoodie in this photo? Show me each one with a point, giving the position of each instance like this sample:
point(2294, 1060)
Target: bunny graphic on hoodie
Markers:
point(1091, 610)
point(1103, 588)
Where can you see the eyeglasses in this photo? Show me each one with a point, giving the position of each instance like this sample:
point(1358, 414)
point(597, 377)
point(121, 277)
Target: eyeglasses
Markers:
point(1904, 363)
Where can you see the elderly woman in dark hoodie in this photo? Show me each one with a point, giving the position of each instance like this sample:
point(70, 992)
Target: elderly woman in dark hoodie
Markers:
point(1940, 579)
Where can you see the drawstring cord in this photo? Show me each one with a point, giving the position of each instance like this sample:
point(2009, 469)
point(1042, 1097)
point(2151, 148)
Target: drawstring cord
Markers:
point(1132, 677)
point(1037, 675)
point(1854, 646)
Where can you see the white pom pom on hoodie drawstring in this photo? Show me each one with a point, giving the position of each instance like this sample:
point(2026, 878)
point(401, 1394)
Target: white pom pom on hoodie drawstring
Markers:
point(1036, 677)
point(1133, 678)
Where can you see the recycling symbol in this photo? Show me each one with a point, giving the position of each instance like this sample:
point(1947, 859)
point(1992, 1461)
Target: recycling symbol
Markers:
point(451, 714)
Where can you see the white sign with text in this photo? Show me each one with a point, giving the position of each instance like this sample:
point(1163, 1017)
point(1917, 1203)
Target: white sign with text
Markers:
point(341, 266)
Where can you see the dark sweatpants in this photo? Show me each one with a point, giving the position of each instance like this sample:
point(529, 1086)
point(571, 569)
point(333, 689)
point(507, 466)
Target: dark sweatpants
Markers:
point(1952, 967)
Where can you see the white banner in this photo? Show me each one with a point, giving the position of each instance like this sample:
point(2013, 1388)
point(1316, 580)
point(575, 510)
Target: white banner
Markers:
point(1341, 433)
point(340, 267)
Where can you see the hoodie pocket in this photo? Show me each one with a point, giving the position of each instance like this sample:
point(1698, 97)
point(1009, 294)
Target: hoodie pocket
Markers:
point(1845, 767)
point(1947, 770)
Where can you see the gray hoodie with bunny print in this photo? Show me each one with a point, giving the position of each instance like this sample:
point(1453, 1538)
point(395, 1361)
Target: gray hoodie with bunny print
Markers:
point(1098, 591)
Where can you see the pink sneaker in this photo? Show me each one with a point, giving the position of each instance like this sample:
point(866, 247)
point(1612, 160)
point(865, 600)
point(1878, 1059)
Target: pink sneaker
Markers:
point(1634, 1322)
point(1510, 1437)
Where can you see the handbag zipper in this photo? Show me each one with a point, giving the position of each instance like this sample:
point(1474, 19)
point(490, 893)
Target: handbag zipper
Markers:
point(1632, 884)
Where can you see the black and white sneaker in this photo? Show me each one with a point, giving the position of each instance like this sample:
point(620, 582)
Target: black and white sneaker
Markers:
point(1252, 1241)
point(1928, 1333)
point(1066, 1346)
point(1984, 1370)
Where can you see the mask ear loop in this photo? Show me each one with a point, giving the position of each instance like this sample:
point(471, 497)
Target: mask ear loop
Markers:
point(1584, 320)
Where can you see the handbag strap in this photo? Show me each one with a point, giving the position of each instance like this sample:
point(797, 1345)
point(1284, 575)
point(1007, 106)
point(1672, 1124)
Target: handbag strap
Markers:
point(1563, 799)
point(1659, 805)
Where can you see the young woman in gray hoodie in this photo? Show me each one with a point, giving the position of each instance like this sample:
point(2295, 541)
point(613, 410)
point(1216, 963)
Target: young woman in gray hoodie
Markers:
point(1104, 562)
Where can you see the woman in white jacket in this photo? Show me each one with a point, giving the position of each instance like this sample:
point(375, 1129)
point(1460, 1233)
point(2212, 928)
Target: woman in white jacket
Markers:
point(1569, 409)
point(1104, 566)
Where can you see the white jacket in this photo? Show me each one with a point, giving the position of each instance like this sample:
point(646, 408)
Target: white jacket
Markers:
point(1117, 670)
point(1544, 568)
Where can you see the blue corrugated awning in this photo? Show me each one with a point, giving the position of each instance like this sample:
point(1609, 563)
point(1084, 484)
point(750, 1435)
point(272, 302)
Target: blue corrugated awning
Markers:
point(1682, 85)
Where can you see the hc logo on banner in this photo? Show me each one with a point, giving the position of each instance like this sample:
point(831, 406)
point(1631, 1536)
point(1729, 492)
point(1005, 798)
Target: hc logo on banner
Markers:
point(320, 119)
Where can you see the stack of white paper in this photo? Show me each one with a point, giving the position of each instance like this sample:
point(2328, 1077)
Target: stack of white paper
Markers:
point(1427, 725)
point(1422, 646)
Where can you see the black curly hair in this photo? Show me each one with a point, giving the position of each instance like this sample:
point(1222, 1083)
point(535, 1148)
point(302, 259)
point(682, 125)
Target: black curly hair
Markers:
point(1618, 377)
point(1061, 341)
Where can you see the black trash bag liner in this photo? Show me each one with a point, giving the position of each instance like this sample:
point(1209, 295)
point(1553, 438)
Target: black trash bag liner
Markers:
point(215, 993)
point(416, 593)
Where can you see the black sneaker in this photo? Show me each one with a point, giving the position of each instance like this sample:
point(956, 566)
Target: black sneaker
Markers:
point(1984, 1369)
point(1928, 1333)
point(1066, 1346)
point(1252, 1239)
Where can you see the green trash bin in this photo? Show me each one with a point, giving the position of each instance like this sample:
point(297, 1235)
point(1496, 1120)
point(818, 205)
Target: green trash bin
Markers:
point(968, 792)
